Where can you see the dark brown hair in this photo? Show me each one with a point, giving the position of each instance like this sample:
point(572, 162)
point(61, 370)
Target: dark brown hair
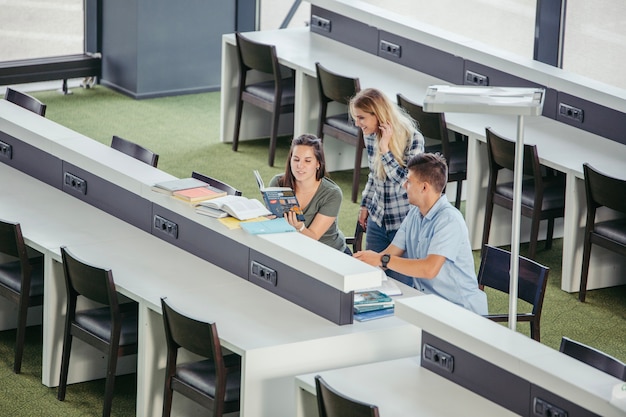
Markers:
point(430, 167)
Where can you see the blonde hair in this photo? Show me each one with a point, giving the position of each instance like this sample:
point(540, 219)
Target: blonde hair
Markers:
point(374, 102)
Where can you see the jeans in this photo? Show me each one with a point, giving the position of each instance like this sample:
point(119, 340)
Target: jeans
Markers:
point(377, 238)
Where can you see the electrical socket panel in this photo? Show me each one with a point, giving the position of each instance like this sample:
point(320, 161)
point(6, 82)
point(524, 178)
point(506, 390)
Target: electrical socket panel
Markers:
point(542, 408)
point(263, 272)
point(6, 150)
point(166, 226)
point(474, 78)
point(389, 48)
point(75, 183)
point(320, 23)
point(571, 112)
point(438, 357)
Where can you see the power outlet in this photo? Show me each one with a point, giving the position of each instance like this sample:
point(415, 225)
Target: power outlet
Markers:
point(6, 150)
point(166, 226)
point(571, 112)
point(75, 183)
point(474, 78)
point(438, 357)
point(263, 272)
point(390, 48)
point(543, 408)
point(320, 23)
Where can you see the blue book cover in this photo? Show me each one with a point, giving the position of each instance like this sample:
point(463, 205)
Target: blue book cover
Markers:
point(279, 225)
point(376, 314)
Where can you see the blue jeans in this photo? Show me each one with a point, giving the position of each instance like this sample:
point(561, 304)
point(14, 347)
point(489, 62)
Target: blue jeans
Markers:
point(377, 239)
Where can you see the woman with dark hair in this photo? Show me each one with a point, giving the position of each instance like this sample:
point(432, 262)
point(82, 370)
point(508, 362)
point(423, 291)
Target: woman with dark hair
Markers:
point(319, 197)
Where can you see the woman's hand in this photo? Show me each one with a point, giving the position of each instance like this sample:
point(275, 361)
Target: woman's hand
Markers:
point(292, 219)
point(386, 132)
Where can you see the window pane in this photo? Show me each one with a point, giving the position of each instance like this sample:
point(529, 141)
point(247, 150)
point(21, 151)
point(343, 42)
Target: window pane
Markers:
point(33, 29)
point(595, 40)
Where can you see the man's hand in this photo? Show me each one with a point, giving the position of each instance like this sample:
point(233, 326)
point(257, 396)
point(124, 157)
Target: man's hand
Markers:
point(369, 257)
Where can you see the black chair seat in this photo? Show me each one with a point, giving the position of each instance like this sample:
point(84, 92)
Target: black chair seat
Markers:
point(265, 91)
point(344, 123)
point(98, 322)
point(553, 194)
point(612, 229)
point(201, 376)
point(11, 277)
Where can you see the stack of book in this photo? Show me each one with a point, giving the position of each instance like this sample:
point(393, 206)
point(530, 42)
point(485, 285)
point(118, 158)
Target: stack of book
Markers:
point(371, 304)
point(189, 190)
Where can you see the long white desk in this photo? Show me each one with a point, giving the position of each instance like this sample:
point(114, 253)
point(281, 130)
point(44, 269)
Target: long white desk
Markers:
point(559, 145)
point(276, 338)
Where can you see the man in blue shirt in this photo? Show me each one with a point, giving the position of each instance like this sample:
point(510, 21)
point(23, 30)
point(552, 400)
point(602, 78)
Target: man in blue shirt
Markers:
point(435, 239)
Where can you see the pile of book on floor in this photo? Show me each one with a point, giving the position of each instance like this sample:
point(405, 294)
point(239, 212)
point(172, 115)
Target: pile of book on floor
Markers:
point(372, 304)
point(189, 190)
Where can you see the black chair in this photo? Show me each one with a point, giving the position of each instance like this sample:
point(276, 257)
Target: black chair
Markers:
point(111, 329)
point(433, 126)
point(357, 240)
point(543, 195)
point(230, 190)
point(339, 89)
point(331, 403)
point(602, 191)
point(276, 96)
point(135, 150)
point(215, 382)
point(24, 100)
point(21, 281)
point(494, 272)
point(593, 357)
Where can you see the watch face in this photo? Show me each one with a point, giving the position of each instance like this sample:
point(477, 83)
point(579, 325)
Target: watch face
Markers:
point(385, 259)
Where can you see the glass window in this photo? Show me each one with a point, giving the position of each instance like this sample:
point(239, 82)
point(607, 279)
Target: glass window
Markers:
point(35, 29)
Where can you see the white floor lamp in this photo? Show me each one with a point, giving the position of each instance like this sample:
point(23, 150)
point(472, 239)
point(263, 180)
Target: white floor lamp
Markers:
point(495, 100)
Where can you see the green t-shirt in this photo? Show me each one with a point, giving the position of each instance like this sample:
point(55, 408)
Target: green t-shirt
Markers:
point(327, 201)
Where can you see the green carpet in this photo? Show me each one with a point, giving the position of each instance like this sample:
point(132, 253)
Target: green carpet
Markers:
point(184, 130)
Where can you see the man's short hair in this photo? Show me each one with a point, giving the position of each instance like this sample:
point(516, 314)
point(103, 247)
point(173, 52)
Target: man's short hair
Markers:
point(430, 167)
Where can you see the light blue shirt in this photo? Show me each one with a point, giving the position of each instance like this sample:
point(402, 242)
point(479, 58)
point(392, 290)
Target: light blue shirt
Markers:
point(443, 232)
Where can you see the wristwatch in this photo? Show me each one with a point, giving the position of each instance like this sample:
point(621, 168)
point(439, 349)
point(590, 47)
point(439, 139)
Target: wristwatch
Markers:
point(384, 260)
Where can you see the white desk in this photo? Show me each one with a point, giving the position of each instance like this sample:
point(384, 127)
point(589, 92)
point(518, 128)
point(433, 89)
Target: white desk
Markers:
point(399, 388)
point(276, 338)
point(559, 145)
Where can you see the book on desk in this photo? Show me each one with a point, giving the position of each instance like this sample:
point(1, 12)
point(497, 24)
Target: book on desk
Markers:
point(240, 207)
point(169, 187)
point(198, 194)
point(279, 200)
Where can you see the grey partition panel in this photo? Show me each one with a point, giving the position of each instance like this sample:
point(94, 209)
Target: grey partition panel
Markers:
point(345, 30)
point(476, 374)
point(300, 288)
point(545, 403)
point(203, 242)
point(106, 196)
point(421, 57)
point(591, 117)
point(30, 160)
point(496, 78)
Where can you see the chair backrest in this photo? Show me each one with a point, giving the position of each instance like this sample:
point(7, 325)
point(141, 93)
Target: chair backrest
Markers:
point(593, 357)
point(193, 335)
point(257, 56)
point(494, 272)
point(230, 190)
point(603, 190)
point(501, 153)
point(335, 87)
point(357, 240)
point(334, 404)
point(12, 244)
point(135, 150)
point(24, 100)
point(90, 281)
point(431, 125)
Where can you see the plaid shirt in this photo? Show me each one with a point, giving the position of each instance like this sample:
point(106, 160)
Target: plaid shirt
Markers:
point(386, 201)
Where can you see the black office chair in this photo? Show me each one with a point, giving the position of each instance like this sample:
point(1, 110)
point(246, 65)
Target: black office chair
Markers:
point(339, 89)
point(276, 96)
point(215, 382)
point(602, 191)
point(21, 281)
point(111, 329)
point(331, 403)
point(135, 150)
point(230, 190)
point(494, 272)
point(593, 357)
point(433, 126)
point(543, 195)
point(357, 240)
point(24, 100)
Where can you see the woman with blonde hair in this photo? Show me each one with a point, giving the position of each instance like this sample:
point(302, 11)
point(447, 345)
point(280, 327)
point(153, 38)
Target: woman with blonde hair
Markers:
point(391, 140)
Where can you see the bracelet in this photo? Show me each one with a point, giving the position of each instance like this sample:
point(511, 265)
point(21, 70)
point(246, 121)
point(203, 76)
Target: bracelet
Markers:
point(302, 228)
